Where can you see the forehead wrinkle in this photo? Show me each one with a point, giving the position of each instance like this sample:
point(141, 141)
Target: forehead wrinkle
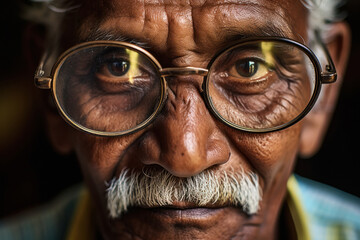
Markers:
point(141, 15)
point(276, 27)
point(235, 21)
point(205, 4)
point(194, 3)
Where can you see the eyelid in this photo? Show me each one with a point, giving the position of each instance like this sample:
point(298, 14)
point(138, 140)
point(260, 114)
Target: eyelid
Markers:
point(142, 63)
point(261, 69)
point(108, 56)
point(239, 54)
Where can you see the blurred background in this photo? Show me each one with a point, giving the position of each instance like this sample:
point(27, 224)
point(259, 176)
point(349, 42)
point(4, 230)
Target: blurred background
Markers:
point(31, 173)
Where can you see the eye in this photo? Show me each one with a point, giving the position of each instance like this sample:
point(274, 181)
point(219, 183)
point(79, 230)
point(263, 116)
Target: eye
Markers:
point(246, 68)
point(122, 71)
point(118, 68)
point(114, 68)
point(249, 68)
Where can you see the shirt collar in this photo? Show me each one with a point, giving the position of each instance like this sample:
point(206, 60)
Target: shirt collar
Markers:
point(82, 225)
point(297, 210)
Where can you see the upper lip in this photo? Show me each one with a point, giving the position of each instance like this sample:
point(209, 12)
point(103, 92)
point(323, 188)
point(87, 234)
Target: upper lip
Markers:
point(187, 205)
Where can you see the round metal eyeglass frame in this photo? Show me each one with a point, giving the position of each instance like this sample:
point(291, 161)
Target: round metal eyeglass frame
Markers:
point(48, 82)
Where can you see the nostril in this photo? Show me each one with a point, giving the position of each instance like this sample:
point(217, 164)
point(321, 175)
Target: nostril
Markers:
point(218, 149)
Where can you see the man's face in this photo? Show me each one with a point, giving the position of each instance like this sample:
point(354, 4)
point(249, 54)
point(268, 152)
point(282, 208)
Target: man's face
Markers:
point(185, 139)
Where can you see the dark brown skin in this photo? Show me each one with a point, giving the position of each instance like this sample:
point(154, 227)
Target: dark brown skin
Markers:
point(186, 139)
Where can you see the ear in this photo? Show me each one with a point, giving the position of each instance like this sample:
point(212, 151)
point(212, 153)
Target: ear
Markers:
point(315, 124)
point(59, 132)
point(34, 43)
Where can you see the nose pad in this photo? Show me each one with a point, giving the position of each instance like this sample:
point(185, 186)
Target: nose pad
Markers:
point(184, 139)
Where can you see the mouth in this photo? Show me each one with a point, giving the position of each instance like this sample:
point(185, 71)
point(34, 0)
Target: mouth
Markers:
point(183, 218)
point(187, 217)
point(186, 213)
point(181, 212)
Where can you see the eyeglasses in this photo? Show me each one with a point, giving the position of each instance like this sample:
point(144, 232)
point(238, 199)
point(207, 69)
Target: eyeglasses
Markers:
point(111, 88)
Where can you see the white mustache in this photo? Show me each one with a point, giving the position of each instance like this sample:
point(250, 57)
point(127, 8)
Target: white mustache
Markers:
point(154, 188)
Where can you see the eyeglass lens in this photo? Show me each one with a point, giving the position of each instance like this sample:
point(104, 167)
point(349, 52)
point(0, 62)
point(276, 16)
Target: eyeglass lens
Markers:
point(108, 89)
point(261, 85)
point(256, 85)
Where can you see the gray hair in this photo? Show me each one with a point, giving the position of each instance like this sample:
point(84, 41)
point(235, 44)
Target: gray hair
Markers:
point(323, 13)
point(159, 188)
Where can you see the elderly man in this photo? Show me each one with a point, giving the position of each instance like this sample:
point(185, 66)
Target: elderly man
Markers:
point(187, 117)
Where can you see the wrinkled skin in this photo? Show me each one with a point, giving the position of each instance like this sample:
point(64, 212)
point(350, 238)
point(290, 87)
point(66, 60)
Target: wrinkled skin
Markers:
point(186, 139)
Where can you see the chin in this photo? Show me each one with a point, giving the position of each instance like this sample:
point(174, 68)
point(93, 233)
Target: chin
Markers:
point(184, 223)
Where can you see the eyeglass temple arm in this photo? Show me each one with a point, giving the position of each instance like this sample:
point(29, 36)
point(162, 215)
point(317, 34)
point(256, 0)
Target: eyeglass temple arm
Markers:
point(330, 75)
point(41, 81)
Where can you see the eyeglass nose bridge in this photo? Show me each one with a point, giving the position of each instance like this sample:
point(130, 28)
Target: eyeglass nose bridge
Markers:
point(183, 71)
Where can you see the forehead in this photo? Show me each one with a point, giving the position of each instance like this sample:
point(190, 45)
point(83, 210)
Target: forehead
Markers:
point(210, 21)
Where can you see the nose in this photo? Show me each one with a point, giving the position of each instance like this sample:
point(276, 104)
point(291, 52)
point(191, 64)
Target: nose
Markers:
point(185, 139)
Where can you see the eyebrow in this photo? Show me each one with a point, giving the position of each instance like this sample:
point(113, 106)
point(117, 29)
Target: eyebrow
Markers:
point(269, 30)
point(232, 34)
point(99, 34)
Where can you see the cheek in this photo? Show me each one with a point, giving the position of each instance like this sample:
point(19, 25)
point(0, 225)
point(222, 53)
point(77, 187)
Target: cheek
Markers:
point(269, 153)
point(99, 157)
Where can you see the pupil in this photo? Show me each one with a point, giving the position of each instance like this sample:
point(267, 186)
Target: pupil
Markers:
point(118, 68)
point(246, 68)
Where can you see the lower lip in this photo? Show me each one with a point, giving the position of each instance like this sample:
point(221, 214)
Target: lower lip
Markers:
point(188, 213)
point(201, 218)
